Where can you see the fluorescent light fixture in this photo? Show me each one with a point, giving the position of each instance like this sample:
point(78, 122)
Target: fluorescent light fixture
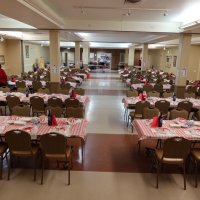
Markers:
point(188, 25)
point(110, 45)
point(83, 34)
point(15, 34)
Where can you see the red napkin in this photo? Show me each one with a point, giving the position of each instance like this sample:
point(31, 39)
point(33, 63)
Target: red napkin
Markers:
point(154, 122)
point(54, 121)
point(143, 97)
point(73, 95)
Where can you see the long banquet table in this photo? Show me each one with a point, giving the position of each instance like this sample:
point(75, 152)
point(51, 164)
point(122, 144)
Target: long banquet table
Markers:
point(171, 128)
point(83, 99)
point(37, 126)
point(152, 100)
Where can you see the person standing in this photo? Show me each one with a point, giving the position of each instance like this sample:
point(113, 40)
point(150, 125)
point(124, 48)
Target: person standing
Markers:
point(3, 77)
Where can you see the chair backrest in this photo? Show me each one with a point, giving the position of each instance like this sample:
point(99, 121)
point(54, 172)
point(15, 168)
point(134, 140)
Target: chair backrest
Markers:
point(147, 88)
point(57, 111)
point(37, 103)
point(21, 89)
point(131, 93)
point(158, 88)
point(140, 105)
point(74, 112)
point(153, 94)
point(163, 106)
point(186, 105)
point(71, 102)
point(79, 91)
point(178, 114)
point(20, 84)
point(53, 143)
point(36, 85)
point(149, 113)
point(63, 91)
point(167, 94)
point(21, 111)
point(43, 90)
point(5, 89)
point(18, 141)
point(176, 147)
point(55, 102)
point(189, 95)
point(191, 89)
point(12, 101)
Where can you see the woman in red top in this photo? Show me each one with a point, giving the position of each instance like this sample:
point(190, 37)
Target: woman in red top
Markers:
point(3, 77)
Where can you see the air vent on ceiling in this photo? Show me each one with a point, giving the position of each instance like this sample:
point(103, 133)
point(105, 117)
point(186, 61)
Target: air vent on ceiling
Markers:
point(131, 1)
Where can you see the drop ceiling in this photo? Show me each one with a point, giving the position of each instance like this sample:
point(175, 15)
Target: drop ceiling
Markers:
point(113, 21)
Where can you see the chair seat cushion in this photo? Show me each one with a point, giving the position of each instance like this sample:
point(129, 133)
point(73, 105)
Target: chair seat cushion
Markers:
point(160, 158)
point(33, 152)
point(60, 156)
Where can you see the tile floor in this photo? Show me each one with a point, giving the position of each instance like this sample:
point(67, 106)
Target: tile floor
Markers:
point(105, 115)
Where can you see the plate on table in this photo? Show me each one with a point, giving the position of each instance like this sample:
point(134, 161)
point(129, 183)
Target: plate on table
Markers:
point(19, 122)
point(26, 119)
point(196, 123)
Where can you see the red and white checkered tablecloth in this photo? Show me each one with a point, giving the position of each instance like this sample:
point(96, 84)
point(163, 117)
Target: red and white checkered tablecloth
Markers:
point(152, 100)
point(77, 126)
point(83, 99)
point(145, 131)
point(140, 86)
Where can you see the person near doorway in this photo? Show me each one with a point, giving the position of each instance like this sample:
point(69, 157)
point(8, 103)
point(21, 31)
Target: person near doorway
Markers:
point(3, 77)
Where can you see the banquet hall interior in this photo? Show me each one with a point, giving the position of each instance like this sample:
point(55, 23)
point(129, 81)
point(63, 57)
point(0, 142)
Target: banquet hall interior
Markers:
point(115, 83)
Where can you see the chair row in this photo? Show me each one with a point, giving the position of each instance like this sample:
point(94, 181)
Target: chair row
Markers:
point(38, 105)
point(52, 146)
point(177, 151)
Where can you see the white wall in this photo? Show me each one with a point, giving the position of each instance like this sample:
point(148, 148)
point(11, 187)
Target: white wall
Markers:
point(36, 51)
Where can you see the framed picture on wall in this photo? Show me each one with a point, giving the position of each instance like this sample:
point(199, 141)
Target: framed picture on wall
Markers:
point(168, 61)
point(174, 61)
point(27, 51)
point(2, 59)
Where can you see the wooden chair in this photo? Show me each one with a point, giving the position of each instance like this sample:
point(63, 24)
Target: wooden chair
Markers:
point(75, 112)
point(175, 151)
point(153, 94)
point(131, 93)
point(149, 113)
point(19, 144)
point(163, 107)
point(54, 147)
point(38, 105)
point(79, 91)
point(12, 101)
point(55, 102)
point(24, 111)
point(178, 114)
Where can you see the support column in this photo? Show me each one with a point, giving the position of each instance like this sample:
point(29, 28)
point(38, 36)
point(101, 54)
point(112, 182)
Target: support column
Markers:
point(131, 55)
point(182, 64)
point(86, 53)
point(54, 38)
point(144, 60)
point(126, 56)
point(77, 54)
